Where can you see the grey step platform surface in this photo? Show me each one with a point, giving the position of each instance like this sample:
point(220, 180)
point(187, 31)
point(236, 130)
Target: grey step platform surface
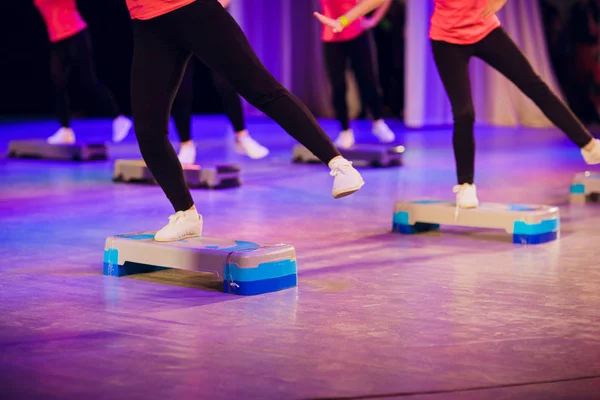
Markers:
point(40, 149)
point(585, 188)
point(210, 177)
point(246, 268)
point(529, 224)
point(374, 155)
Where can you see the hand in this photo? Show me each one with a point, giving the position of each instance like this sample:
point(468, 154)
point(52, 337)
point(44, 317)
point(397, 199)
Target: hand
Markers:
point(492, 7)
point(368, 23)
point(334, 24)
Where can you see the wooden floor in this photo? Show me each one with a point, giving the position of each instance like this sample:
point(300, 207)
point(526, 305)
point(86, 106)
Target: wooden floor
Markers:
point(460, 313)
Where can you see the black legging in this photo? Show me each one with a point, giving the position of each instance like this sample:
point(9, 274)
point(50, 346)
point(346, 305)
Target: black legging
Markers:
point(162, 48)
point(182, 105)
point(500, 52)
point(76, 51)
point(358, 51)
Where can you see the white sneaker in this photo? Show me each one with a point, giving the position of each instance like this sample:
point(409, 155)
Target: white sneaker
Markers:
point(383, 132)
point(121, 128)
point(592, 156)
point(466, 196)
point(347, 179)
point(247, 146)
point(62, 136)
point(182, 225)
point(345, 140)
point(187, 153)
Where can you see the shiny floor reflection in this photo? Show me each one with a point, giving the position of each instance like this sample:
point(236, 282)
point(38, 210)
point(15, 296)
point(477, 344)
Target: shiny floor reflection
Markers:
point(460, 313)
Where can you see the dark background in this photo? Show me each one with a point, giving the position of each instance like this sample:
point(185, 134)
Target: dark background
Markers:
point(25, 86)
point(26, 89)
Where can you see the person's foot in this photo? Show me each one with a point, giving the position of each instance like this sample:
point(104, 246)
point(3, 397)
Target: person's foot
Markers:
point(345, 140)
point(246, 145)
point(383, 132)
point(182, 225)
point(346, 179)
point(187, 153)
point(466, 196)
point(62, 136)
point(121, 127)
point(591, 152)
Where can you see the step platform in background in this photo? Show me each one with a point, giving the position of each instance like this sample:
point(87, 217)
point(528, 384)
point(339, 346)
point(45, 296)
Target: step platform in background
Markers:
point(41, 149)
point(211, 177)
point(529, 224)
point(246, 268)
point(585, 188)
point(374, 155)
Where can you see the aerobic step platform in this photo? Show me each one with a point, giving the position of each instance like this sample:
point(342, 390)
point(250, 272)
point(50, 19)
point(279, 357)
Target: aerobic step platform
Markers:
point(374, 155)
point(211, 177)
point(529, 224)
point(42, 149)
point(246, 268)
point(585, 188)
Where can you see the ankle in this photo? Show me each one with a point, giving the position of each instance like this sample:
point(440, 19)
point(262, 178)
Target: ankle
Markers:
point(590, 146)
point(241, 134)
point(335, 160)
point(187, 143)
point(192, 211)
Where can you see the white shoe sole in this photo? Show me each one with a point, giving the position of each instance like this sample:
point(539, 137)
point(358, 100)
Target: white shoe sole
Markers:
point(60, 143)
point(243, 153)
point(122, 136)
point(348, 192)
point(176, 240)
point(187, 163)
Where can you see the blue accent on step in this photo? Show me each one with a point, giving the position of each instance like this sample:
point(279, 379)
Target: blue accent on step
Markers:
point(258, 287)
point(535, 239)
point(241, 246)
point(401, 217)
point(519, 207)
point(266, 277)
point(400, 224)
point(578, 189)
point(137, 236)
point(416, 228)
point(549, 225)
point(129, 268)
point(111, 261)
point(267, 270)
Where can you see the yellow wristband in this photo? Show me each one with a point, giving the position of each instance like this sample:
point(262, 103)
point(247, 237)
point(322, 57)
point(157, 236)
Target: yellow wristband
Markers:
point(344, 21)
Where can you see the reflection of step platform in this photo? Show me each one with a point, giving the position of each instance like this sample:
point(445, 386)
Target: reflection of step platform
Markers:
point(375, 155)
point(42, 149)
point(212, 177)
point(529, 224)
point(585, 187)
point(246, 268)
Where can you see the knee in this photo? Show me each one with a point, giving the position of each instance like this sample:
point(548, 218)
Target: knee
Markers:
point(149, 128)
point(265, 98)
point(535, 86)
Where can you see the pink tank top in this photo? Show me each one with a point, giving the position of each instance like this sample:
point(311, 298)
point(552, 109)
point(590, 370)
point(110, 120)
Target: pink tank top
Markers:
point(335, 9)
point(148, 9)
point(61, 17)
point(460, 21)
